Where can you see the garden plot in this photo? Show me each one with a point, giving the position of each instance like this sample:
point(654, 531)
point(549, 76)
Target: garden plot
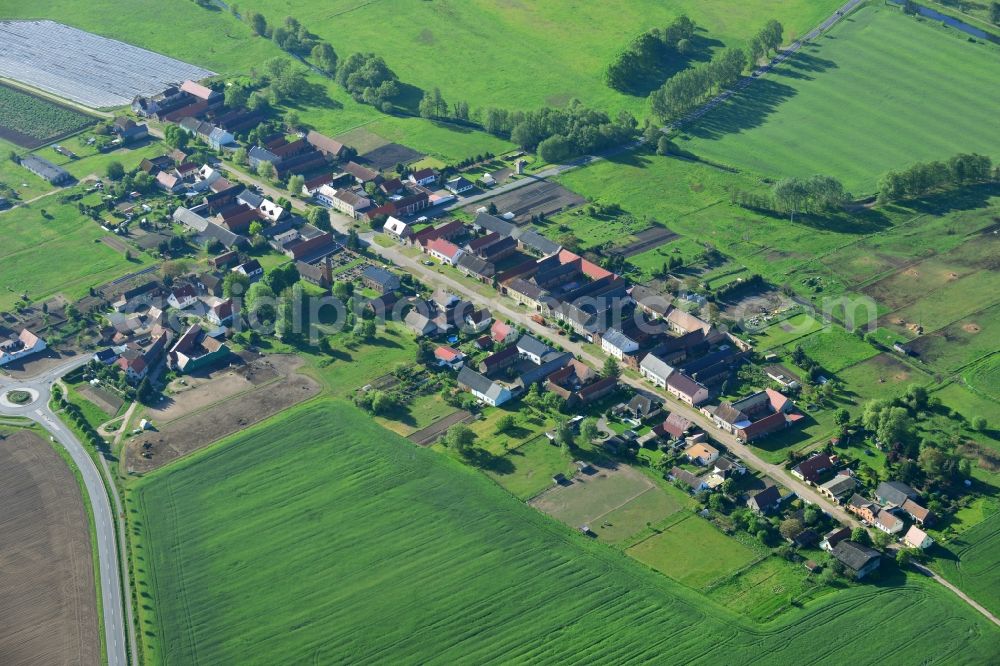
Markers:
point(94, 71)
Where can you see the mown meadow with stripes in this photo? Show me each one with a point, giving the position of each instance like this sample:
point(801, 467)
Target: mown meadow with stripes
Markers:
point(880, 91)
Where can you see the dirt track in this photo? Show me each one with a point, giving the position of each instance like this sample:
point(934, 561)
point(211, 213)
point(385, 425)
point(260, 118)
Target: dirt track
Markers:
point(221, 406)
point(48, 600)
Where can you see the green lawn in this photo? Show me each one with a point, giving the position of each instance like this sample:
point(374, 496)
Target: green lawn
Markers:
point(386, 552)
point(59, 255)
point(881, 91)
point(693, 552)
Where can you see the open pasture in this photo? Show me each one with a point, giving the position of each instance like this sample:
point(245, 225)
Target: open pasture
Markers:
point(835, 349)
point(882, 376)
point(961, 343)
point(985, 378)
point(829, 109)
point(54, 253)
point(522, 55)
point(764, 588)
point(442, 551)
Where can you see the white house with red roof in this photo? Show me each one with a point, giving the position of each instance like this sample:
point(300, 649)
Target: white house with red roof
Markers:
point(449, 357)
point(444, 251)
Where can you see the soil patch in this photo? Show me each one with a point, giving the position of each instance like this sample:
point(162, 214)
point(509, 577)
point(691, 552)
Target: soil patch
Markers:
point(646, 240)
point(389, 155)
point(971, 328)
point(48, 600)
point(430, 434)
point(216, 406)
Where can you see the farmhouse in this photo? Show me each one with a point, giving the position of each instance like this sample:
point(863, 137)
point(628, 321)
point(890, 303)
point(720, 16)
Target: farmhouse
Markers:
point(655, 370)
point(809, 469)
point(425, 177)
point(917, 538)
point(42, 168)
point(397, 229)
point(859, 560)
point(499, 361)
point(615, 343)
point(765, 501)
point(673, 427)
point(532, 348)
point(888, 522)
point(252, 269)
point(835, 536)
point(839, 486)
point(863, 508)
point(756, 416)
point(502, 332)
point(894, 492)
point(196, 350)
point(702, 454)
point(686, 389)
point(444, 251)
point(347, 202)
point(182, 296)
point(486, 390)
point(362, 174)
point(25, 344)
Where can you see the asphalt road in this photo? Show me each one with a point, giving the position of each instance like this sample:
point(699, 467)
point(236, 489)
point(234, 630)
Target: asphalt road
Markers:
point(105, 523)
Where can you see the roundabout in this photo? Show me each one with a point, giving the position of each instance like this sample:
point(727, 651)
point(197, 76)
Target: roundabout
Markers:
point(18, 397)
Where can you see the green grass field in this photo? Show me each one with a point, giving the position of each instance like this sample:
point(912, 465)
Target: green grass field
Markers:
point(881, 91)
point(387, 552)
point(59, 255)
point(985, 378)
point(526, 54)
point(835, 349)
point(693, 552)
point(531, 467)
point(764, 588)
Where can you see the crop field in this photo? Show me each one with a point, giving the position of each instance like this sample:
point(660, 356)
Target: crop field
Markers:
point(978, 560)
point(828, 110)
point(47, 593)
point(450, 551)
point(29, 120)
point(73, 259)
point(693, 552)
point(530, 54)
